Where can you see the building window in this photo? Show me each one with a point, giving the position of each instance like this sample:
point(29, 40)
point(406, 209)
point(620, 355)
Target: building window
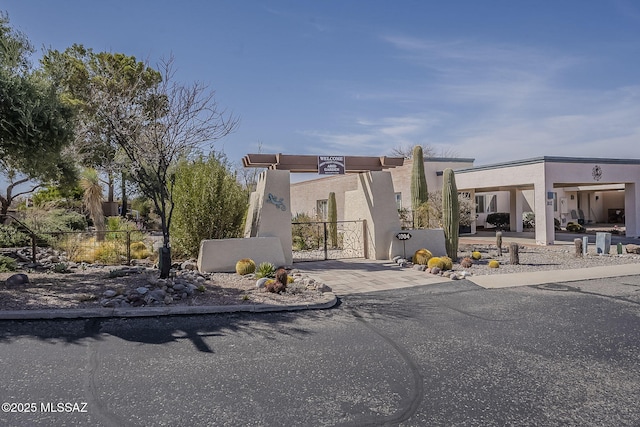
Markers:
point(399, 201)
point(486, 203)
point(322, 209)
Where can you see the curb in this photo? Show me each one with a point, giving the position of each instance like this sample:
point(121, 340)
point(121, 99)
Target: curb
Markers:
point(329, 300)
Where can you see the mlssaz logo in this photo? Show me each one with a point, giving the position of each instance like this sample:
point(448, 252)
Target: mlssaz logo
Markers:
point(597, 173)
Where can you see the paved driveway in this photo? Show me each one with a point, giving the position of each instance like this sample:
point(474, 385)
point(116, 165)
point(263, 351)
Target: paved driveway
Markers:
point(435, 355)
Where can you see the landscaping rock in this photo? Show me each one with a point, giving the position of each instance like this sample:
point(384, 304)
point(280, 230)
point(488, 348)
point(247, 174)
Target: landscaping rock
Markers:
point(632, 249)
point(189, 265)
point(17, 280)
point(109, 293)
point(261, 282)
point(321, 287)
point(419, 267)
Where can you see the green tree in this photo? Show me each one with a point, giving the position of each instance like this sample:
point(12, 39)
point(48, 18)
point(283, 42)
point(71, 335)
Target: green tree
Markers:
point(80, 73)
point(174, 121)
point(210, 203)
point(34, 122)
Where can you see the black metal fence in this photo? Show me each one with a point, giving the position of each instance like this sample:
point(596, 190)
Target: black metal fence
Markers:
point(322, 240)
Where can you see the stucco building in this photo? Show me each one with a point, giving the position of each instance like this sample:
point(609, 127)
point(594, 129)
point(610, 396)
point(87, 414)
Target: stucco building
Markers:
point(556, 189)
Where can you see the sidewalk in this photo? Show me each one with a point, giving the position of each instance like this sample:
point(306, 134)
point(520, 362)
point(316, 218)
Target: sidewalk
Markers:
point(356, 276)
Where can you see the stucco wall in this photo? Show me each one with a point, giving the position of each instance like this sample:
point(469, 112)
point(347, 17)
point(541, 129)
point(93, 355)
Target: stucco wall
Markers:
point(304, 195)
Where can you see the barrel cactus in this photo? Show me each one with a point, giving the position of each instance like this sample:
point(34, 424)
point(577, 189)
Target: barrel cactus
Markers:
point(466, 262)
point(422, 256)
point(450, 213)
point(447, 263)
point(436, 262)
point(476, 255)
point(245, 266)
point(494, 264)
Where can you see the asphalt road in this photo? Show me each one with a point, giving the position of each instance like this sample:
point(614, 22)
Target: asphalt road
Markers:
point(443, 355)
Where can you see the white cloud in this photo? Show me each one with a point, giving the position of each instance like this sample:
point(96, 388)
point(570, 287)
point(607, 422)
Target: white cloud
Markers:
point(492, 102)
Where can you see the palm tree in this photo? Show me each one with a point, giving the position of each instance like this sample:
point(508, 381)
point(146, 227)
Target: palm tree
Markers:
point(90, 183)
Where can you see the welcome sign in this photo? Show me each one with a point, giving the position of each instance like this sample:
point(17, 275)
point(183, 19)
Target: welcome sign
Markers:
point(331, 165)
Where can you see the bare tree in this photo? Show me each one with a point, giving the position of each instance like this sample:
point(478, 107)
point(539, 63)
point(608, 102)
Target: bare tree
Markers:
point(406, 151)
point(158, 127)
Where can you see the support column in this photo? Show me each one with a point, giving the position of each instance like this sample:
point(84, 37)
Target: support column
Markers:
point(474, 223)
point(515, 210)
point(631, 209)
point(545, 232)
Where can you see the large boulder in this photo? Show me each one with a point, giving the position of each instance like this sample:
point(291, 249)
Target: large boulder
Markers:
point(632, 249)
point(17, 280)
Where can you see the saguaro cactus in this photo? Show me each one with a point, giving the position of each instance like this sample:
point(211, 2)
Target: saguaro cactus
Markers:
point(450, 213)
point(419, 194)
point(332, 218)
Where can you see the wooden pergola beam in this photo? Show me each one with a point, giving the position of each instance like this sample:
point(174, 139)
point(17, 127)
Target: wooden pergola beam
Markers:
point(309, 163)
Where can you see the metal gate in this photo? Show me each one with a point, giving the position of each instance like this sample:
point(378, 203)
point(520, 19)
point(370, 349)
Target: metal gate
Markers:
point(323, 240)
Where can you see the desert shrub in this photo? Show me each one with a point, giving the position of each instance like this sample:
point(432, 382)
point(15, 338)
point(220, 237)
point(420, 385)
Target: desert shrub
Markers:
point(118, 227)
point(575, 227)
point(466, 262)
point(265, 269)
point(436, 262)
point(58, 196)
point(494, 264)
point(10, 237)
point(209, 203)
point(245, 266)
point(476, 255)
point(422, 256)
point(499, 219)
point(109, 252)
point(55, 220)
point(7, 264)
point(528, 220)
point(139, 250)
point(76, 246)
point(433, 209)
point(61, 267)
point(295, 288)
point(305, 234)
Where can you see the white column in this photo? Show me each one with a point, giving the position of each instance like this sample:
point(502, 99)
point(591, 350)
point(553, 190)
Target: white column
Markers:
point(515, 209)
point(545, 232)
point(631, 208)
point(473, 214)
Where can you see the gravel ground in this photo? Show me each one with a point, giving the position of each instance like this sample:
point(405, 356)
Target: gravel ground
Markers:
point(540, 258)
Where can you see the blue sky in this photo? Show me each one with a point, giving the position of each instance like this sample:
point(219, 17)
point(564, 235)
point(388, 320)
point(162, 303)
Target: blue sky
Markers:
point(492, 80)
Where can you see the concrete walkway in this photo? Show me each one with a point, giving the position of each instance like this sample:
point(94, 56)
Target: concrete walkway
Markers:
point(356, 276)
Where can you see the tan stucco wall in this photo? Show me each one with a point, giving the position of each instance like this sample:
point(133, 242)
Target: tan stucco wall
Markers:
point(304, 195)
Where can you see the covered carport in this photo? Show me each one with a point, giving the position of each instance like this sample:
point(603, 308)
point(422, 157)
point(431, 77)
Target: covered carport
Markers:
point(544, 175)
